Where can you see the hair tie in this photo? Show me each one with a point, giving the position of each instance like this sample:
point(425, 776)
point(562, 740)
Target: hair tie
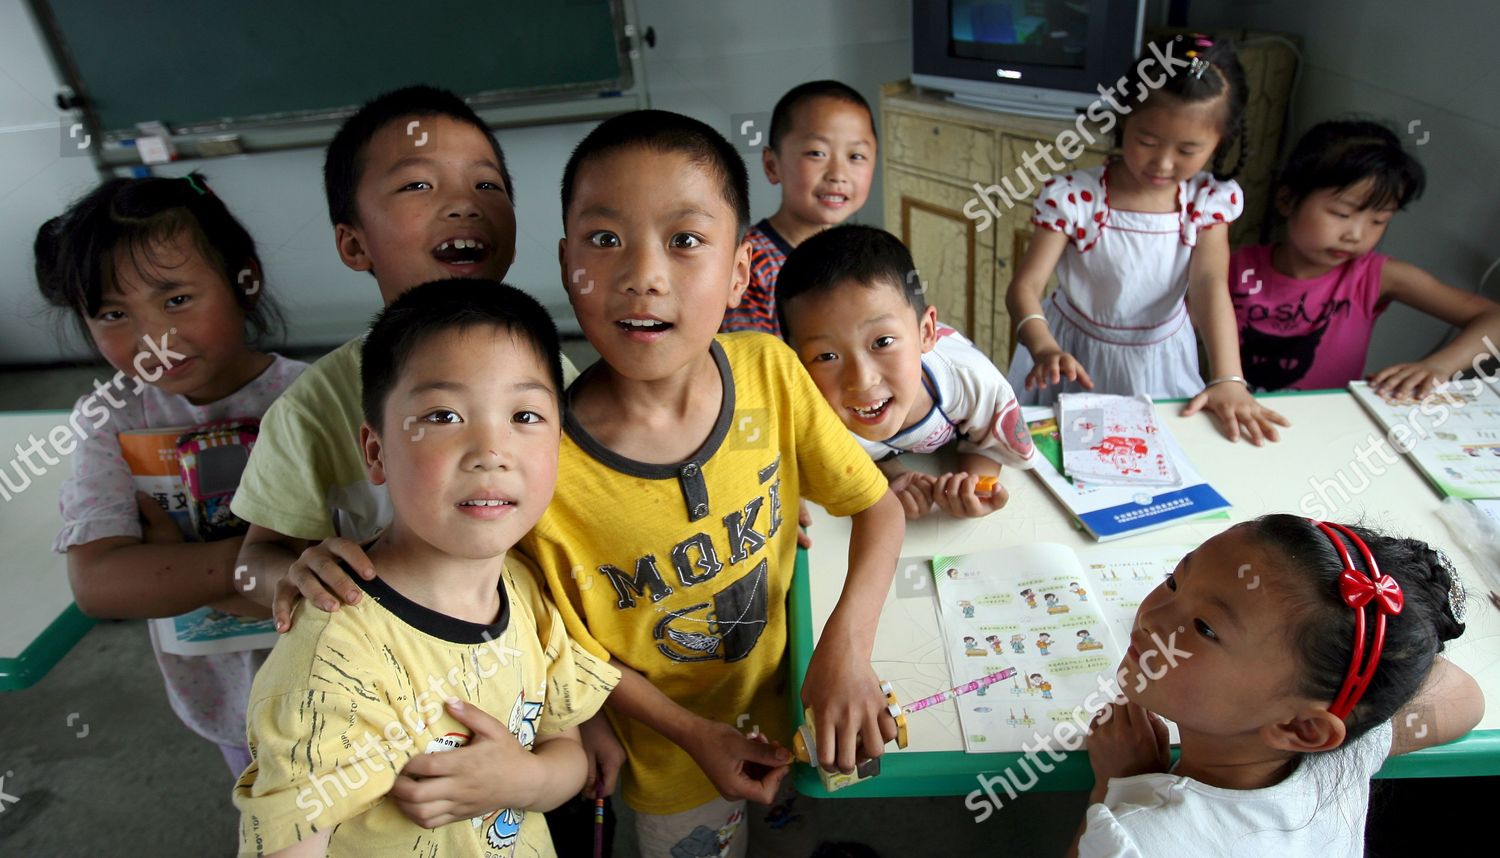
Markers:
point(193, 183)
point(1358, 589)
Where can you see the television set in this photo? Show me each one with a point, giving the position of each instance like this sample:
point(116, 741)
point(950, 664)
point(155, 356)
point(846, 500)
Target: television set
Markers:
point(1036, 57)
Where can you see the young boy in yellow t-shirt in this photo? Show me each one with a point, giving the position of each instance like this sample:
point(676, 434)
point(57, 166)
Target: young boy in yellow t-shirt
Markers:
point(461, 384)
point(671, 539)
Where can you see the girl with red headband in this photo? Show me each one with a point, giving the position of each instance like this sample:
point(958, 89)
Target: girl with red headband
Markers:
point(1294, 656)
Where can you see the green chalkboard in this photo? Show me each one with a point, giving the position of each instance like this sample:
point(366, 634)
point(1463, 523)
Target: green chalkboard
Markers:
point(195, 64)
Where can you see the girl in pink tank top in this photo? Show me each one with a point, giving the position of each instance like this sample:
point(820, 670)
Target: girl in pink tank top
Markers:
point(1306, 307)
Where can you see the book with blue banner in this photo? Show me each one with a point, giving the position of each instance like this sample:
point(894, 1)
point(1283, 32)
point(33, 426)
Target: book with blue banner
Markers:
point(1114, 511)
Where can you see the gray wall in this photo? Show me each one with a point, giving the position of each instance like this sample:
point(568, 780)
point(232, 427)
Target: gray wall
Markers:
point(713, 60)
point(1425, 67)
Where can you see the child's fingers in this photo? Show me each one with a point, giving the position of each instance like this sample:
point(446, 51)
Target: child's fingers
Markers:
point(1083, 377)
point(323, 575)
point(287, 594)
point(1194, 405)
point(354, 555)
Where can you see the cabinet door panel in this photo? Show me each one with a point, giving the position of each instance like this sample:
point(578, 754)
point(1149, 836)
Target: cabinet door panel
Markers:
point(955, 261)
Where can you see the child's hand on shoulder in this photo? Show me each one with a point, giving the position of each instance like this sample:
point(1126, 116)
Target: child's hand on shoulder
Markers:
point(1238, 413)
point(739, 767)
point(958, 495)
point(1404, 380)
point(490, 772)
point(1124, 740)
point(1054, 365)
point(317, 576)
point(914, 490)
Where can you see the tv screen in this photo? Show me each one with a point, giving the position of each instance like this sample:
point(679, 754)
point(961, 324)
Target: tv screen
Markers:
point(1036, 32)
point(1044, 57)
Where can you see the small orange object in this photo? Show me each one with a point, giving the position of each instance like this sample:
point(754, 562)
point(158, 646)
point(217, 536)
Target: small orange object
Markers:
point(986, 486)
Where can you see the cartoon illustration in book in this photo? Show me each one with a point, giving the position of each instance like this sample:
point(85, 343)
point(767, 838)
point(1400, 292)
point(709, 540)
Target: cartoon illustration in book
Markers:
point(1018, 644)
point(972, 647)
point(1026, 719)
point(1043, 642)
point(1012, 719)
point(1082, 594)
point(996, 644)
point(1086, 642)
point(1016, 689)
point(967, 607)
point(1054, 605)
point(1036, 681)
point(1030, 596)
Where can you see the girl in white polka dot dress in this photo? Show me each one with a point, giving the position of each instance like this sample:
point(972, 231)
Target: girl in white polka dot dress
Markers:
point(1141, 250)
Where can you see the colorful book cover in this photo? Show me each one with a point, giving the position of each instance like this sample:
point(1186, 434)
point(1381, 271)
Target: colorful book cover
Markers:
point(154, 460)
point(1452, 434)
point(1109, 511)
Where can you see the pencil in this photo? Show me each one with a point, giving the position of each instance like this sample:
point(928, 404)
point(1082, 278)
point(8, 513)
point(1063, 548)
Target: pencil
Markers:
point(599, 817)
point(971, 685)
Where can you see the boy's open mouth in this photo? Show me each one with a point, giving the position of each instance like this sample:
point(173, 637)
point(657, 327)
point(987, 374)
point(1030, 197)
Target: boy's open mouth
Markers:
point(872, 412)
point(645, 326)
point(461, 251)
point(833, 199)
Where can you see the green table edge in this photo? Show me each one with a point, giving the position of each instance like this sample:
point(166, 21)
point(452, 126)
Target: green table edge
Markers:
point(957, 773)
point(47, 650)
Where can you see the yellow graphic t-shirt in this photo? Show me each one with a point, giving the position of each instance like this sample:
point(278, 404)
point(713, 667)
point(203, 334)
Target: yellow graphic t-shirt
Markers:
point(347, 698)
point(681, 571)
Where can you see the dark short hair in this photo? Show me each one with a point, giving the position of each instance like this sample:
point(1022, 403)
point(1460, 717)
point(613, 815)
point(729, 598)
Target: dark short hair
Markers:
point(1342, 153)
point(864, 254)
point(345, 162)
point(785, 111)
point(664, 131)
point(446, 305)
point(1320, 624)
point(1225, 78)
point(74, 253)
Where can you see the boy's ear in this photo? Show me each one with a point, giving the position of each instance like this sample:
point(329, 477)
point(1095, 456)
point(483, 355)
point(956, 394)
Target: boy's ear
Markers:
point(768, 163)
point(562, 267)
point(741, 275)
point(351, 247)
point(927, 327)
point(374, 454)
point(1310, 730)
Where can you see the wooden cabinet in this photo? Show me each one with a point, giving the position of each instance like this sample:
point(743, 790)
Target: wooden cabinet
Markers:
point(938, 158)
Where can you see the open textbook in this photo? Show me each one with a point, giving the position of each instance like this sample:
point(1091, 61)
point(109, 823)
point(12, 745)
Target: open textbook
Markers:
point(155, 460)
point(1061, 619)
point(1452, 434)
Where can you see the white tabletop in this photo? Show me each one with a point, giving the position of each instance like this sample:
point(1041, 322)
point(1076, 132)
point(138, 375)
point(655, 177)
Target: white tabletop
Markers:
point(1328, 431)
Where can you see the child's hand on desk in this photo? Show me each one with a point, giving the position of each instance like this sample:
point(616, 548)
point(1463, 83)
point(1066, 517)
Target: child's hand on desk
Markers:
point(914, 490)
point(1237, 412)
point(1124, 740)
point(605, 755)
point(958, 495)
point(317, 576)
point(849, 710)
point(1054, 365)
point(739, 766)
point(490, 772)
point(1408, 380)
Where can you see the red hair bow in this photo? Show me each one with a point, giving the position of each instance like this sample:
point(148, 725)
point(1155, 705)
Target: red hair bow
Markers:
point(1357, 590)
